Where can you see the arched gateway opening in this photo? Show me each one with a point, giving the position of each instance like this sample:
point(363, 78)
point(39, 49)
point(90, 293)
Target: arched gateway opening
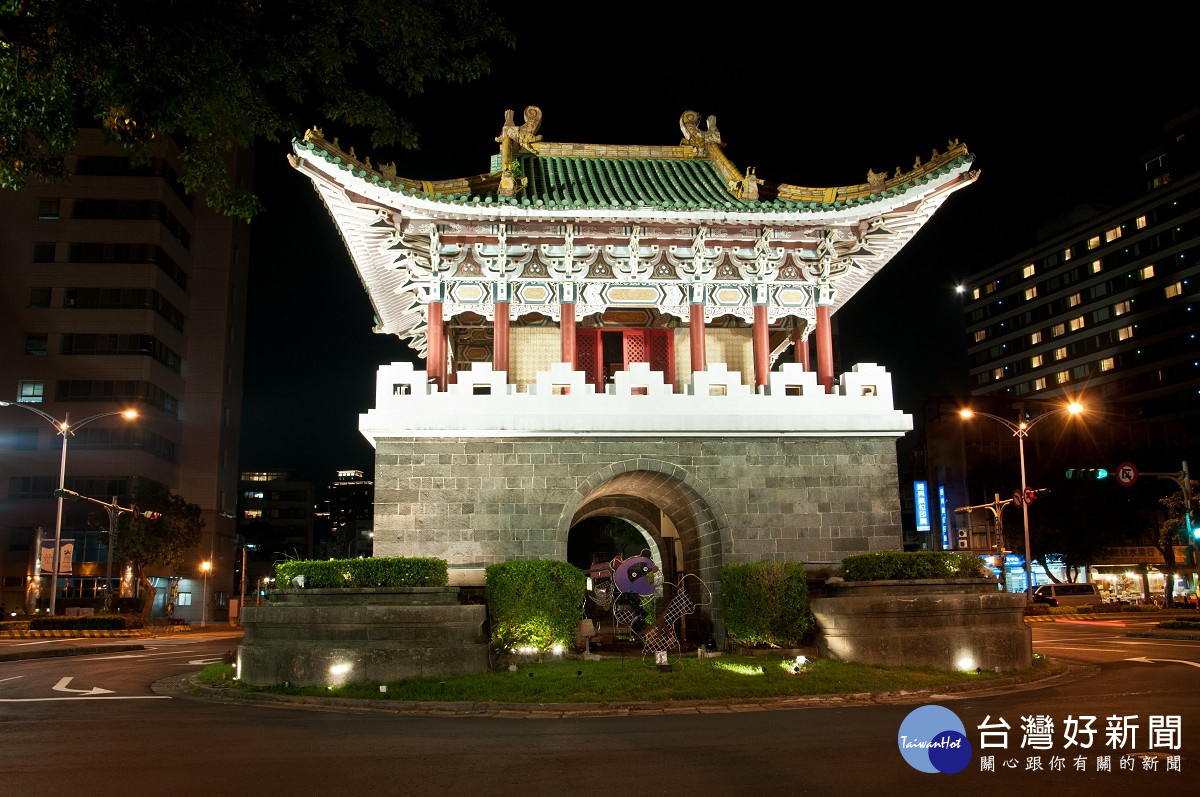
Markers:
point(655, 514)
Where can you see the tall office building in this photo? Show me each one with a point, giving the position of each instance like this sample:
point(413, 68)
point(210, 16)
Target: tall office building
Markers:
point(120, 291)
point(1107, 307)
point(351, 515)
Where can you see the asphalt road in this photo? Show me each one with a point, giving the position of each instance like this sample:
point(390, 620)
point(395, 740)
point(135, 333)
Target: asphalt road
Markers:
point(130, 739)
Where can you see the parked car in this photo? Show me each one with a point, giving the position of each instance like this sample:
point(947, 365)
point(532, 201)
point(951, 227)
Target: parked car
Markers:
point(1067, 594)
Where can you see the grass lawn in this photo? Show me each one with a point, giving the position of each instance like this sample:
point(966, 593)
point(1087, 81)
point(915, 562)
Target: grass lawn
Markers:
point(615, 680)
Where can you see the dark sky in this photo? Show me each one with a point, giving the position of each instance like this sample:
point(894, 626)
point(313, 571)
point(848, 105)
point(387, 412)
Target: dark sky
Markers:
point(1054, 115)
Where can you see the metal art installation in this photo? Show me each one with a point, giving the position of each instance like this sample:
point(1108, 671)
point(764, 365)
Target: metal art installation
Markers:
point(627, 587)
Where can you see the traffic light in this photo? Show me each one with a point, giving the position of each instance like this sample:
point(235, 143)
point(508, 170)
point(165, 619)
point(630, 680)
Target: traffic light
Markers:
point(70, 495)
point(1087, 473)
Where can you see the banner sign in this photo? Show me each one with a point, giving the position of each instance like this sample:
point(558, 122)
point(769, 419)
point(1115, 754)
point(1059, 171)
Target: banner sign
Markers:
point(66, 550)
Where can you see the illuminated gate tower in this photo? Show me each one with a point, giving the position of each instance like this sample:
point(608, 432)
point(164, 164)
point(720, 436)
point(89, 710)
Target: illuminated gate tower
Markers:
point(599, 324)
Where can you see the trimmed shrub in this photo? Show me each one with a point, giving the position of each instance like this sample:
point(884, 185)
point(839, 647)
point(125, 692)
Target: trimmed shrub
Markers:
point(534, 603)
point(91, 622)
point(765, 603)
point(1036, 610)
point(1180, 625)
point(384, 571)
point(911, 565)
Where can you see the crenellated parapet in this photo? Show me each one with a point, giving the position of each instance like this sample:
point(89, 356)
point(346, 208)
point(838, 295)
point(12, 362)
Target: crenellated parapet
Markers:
point(639, 402)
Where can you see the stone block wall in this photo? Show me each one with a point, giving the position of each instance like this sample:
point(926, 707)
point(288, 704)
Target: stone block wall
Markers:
point(477, 501)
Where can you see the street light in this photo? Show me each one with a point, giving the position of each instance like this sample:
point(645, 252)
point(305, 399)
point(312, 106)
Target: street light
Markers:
point(65, 429)
point(1021, 430)
point(205, 566)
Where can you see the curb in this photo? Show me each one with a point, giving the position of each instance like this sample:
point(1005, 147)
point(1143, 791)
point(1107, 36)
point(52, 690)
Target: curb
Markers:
point(185, 686)
point(61, 652)
point(76, 634)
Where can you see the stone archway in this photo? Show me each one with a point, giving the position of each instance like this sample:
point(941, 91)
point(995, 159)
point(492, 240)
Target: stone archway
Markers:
point(675, 515)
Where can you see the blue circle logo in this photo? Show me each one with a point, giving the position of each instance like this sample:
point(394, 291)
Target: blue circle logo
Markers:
point(934, 739)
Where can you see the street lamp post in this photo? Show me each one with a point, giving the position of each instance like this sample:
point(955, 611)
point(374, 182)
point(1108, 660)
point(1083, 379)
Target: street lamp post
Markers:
point(65, 429)
point(204, 566)
point(1021, 430)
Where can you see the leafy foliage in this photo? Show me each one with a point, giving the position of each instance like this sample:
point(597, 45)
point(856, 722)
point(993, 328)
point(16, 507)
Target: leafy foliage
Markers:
point(534, 602)
point(908, 565)
point(221, 74)
point(163, 542)
point(765, 603)
point(384, 571)
point(93, 622)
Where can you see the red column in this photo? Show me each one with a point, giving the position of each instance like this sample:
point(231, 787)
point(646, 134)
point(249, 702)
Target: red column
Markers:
point(824, 349)
point(500, 338)
point(566, 326)
point(696, 338)
point(435, 355)
point(761, 346)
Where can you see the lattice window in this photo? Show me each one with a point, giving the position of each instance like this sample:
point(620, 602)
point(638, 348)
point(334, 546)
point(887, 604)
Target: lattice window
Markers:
point(585, 358)
point(635, 349)
point(661, 353)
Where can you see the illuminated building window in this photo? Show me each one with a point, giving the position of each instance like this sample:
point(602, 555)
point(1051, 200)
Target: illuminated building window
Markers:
point(1067, 253)
point(31, 392)
point(1077, 324)
point(1095, 266)
point(1124, 333)
point(1031, 293)
point(1111, 235)
point(1035, 361)
point(1060, 353)
point(1094, 242)
point(1107, 364)
point(1039, 383)
point(1121, 308)
point(989, 288)
point(975, 293)
point(1029, 270)
point(253, 514)
point(1035, 338)
point(997, 373)
point(1146, 272)
point(1062, 377)
point(1074, 300)
point(1058, 329)
point(1173, 290)
point(1141, 222)
point(980, 334)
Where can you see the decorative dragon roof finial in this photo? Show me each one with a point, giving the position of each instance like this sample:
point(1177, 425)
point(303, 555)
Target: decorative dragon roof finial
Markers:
point(689, 123)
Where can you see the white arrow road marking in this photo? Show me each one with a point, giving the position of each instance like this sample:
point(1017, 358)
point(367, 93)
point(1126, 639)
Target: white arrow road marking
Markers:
point(1145, 660)
point(61, 686)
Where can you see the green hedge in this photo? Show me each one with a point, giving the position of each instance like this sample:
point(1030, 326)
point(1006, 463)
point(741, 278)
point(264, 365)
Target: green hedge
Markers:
point(384, 571)
point(534, 603)
point(765, 603)
point(909, 565)
point(92, 622)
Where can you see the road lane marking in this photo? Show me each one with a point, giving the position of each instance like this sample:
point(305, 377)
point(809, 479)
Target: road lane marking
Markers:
point(81, 700)
point(61, 686)
point(15, 677)
point(1145, 660)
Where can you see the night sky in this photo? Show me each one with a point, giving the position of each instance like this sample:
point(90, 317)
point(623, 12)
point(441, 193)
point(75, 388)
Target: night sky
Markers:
point(1053, 116)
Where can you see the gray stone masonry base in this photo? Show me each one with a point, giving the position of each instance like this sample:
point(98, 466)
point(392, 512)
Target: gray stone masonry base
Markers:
point(951, 624)
point(328, 637)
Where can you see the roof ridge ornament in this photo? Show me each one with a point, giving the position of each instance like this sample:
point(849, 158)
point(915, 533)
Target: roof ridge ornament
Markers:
point(689, 124)
point(513, 141)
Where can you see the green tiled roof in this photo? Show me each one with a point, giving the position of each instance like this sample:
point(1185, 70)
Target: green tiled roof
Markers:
point(625, 182)
point(667, 183)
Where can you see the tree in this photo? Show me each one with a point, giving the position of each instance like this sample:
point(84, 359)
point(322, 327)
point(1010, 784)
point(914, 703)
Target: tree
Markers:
point(163, 541)
point(1076, 519)
point(220, 74)
point(1171, 531)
